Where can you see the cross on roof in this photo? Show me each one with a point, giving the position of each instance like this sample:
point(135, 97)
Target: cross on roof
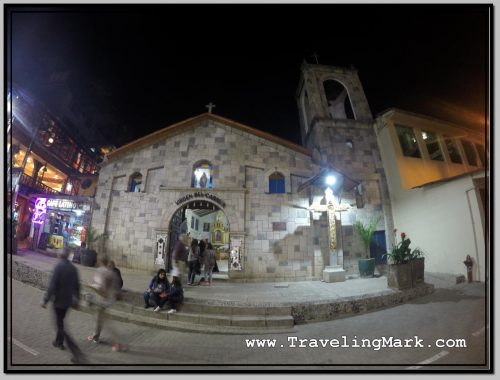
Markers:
point(316, 57)
point(210, 106)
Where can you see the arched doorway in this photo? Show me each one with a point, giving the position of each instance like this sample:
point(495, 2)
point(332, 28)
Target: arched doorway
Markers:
point(205, 221)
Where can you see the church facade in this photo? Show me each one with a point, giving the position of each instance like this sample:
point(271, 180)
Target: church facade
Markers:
point(262, 201)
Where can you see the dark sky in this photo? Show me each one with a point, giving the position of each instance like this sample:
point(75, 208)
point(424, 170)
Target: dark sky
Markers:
point(131, 70)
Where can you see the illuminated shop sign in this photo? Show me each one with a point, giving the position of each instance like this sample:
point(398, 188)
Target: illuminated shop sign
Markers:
point(66, 204)
point(40, 211)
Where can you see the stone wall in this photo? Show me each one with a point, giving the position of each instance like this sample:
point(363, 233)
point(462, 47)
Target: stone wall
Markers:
point(277, 229)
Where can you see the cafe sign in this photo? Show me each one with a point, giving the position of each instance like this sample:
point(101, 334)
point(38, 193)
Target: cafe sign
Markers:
point(66, 204)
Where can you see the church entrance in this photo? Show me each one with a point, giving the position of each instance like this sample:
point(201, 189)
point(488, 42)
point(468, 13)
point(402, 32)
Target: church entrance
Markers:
point(205, 222)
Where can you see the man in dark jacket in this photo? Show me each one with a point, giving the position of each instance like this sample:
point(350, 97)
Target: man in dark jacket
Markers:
point(64, 288)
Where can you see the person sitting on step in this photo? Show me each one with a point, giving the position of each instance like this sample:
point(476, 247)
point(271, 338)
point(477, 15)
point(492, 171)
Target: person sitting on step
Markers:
point(157, 289)
point(175, 296)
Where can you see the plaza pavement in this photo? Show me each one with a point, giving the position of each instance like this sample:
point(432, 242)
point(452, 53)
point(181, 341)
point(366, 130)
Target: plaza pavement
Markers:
point(305, 301)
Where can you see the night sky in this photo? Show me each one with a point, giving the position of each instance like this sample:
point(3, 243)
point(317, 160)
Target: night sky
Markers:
point(126, 71)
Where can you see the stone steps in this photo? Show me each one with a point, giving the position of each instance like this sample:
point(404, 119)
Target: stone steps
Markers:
point(199, 317)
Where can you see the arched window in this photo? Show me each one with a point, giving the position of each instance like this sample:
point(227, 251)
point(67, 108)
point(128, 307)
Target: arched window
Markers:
point(276, 183)
point(135, 183)
point(339, 104)
point(202, 175)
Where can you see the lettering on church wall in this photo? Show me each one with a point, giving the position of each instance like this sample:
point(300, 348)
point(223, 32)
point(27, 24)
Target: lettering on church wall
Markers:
point(199, 194)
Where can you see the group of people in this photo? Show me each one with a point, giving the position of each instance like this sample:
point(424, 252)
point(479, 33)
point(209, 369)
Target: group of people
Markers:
point(194, 255)
point(161, 292)
point(64, 291)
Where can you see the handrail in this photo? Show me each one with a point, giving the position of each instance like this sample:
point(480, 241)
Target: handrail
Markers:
point(30, 182)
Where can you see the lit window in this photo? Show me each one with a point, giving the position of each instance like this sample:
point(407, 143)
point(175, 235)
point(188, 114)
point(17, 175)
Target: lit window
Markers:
point(432, 144)
point(276, 183)
point(135, 183)
point(202, 175)
point(408, 141)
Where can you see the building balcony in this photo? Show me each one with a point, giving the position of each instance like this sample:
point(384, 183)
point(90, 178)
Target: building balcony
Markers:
point(35, 186)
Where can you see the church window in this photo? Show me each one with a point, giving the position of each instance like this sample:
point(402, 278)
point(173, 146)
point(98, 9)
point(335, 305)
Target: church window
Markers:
point(135, 183)
point(431, 141)
point(339, 104)
point(408, 141)
point(202, 175)
point(276, 183)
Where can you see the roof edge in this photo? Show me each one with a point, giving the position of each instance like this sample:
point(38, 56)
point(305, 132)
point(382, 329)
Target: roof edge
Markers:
point(177, 127)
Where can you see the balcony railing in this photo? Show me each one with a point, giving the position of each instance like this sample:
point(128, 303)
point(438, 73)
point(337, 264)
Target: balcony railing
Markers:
point(30, 182)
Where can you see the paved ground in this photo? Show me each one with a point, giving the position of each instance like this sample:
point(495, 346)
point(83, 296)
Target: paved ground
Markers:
point(454, 313)
point(247, 293)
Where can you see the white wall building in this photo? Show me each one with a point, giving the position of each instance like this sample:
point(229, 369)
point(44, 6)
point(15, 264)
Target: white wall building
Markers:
point(437, 183)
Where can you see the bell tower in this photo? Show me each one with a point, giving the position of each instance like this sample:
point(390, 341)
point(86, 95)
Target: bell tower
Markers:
point(337, 126)
point(329, 95)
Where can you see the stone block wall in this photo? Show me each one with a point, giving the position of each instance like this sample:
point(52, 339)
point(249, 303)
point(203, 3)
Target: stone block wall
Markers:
point(281, 242)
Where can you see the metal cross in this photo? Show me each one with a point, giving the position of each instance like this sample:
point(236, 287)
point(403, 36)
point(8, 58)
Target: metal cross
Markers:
point(210, 106)
point(316, 57)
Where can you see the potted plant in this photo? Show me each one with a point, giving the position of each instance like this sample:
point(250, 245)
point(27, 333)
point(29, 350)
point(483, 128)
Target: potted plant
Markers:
point(366, 265)
point(407, 267)
point(88, 254)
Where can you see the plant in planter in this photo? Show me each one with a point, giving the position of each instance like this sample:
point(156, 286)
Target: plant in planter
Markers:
point(407, 267)
point(366, 265)
point(88, 254)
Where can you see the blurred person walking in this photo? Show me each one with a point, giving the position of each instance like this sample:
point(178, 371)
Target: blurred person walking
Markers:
point(64, 289)
point(106, 285)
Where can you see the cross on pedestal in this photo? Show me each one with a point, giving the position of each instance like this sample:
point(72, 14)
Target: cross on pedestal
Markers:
point(210, 106)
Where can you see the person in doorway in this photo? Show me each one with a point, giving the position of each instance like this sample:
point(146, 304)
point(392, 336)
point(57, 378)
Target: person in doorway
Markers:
point(64, 288)
point(209, 259)
point(106, 286)
point(157, 290)
point(179, 257)
point(193, 261)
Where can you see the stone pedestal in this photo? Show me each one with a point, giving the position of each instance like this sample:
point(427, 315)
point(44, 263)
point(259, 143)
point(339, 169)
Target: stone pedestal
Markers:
point(333, 274)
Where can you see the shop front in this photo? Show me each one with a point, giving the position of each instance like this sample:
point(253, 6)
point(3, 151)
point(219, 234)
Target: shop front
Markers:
point(59, 222)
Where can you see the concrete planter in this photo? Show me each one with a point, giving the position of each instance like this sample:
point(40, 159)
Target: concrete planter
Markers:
point(366, 267)
point(399, 276)
point(417, 271)
point(88, 257)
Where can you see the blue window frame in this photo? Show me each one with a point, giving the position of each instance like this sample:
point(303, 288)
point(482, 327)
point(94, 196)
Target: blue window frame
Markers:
point(276, 183)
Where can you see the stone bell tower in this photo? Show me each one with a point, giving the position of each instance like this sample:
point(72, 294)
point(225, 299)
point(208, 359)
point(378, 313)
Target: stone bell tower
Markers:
point(336, 124)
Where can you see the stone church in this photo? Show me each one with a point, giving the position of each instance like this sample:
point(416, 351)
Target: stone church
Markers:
point(272, 209)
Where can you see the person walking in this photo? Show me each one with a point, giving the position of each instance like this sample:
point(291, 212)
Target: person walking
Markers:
point(64, 289)
point(106, 286)
point(179, 258)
